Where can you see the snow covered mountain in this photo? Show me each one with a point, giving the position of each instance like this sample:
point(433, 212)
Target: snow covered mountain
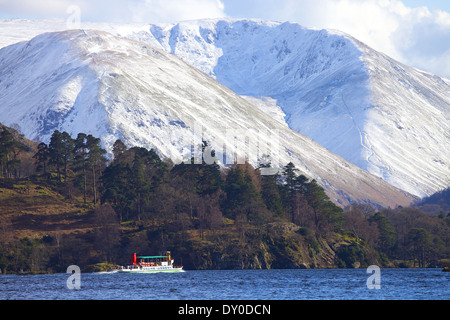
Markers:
point(385, 117)
point(112, 87)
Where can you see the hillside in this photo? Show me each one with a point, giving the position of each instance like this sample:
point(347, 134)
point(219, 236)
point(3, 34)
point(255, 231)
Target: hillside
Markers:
point(115, 88)
point(46, 226)
point(210, 218)
point(40, 217)
point(52, 232)
point(46, 222)
point(385, 117)
point(37, 209)
point(377, 113)
point(16, 160)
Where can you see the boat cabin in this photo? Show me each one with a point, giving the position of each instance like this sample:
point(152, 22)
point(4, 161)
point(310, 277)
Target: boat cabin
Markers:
point(151, 264)
point(151, 261)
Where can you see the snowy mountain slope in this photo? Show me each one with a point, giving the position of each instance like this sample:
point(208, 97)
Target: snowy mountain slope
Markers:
point(387, 118)
point(409, 124)
point(111, 87)
point(13, 31)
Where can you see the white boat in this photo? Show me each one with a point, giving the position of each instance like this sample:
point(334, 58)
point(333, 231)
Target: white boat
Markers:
point(151, 264)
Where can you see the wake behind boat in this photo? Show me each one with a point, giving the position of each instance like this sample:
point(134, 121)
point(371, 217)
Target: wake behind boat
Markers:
point(151, 264)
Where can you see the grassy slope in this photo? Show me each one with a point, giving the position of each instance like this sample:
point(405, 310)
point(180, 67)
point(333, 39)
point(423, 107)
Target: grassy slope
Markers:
point(36, 209)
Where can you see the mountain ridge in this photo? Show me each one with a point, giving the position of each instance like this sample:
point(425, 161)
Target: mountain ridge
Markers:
point(114, 88)
point(385, 117)
point(350, 98)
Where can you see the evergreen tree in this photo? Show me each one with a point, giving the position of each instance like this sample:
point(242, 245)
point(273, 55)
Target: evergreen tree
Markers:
point(42, 156)
point(10, 149)
point(420, 241)
point(81, 160)
point(271, 195)
point(209, 178)
point(205, 179)
point(119, 149)
point(235, 189)
point(6, 149)
point(67, 152)
point(243, 199)
point(270, 192)
point(56, 151)
point(147, 172)
point(185, 176)
point(326, 213)
point(96, 161)
point(293, 190)
point(290, 176)
point(140, 185)
point(315, 195)
point(388, 235)
point(117, 188)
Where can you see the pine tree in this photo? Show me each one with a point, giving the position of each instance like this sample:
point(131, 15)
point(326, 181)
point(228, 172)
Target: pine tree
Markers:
point(316, 197)
point(243, 199)
point(81, 160)
point(140, 185)
point(67, 152)
point(290, 176)
point(270, 191)
point(119, 149)
point(148, 172)
point(42, 156)
point(421, 241)
point(96, 161)
point(388, 235)
point(271, 195)
point(293, 191)
point(6, 148)
point(10, 149)
point(117, 188)
point(209, 177)
point(185, 177)
point(56, 151)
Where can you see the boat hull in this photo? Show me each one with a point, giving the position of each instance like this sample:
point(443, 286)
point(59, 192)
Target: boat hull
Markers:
point(152, 270)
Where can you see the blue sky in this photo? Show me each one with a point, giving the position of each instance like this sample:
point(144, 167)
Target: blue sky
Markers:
point(432, 4)
point(415, 32)
point(239, 8)
point(233, 8)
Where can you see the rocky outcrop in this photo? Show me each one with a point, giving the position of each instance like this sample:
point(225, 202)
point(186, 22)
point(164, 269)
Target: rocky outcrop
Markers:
point(278, 245)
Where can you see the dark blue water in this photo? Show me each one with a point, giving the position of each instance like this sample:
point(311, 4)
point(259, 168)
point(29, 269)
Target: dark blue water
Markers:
point(396, 284)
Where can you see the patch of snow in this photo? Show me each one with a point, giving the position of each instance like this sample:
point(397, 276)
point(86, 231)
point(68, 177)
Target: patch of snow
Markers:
point(116, 88)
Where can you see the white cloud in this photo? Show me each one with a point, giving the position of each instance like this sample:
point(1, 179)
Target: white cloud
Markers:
point(415, 36)
point(34, 9)
point(150, 11)
point(170, 11)
point(423, 40)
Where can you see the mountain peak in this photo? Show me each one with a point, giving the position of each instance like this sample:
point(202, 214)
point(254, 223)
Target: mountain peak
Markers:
point(112, 87)
point(385, 117)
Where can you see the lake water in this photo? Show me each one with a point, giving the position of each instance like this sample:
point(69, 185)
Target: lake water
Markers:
point(396, 284)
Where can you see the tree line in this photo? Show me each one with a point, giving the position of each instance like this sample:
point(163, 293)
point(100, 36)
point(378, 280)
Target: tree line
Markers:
point(11, 149)
point(140, 185)
point(135, 185)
